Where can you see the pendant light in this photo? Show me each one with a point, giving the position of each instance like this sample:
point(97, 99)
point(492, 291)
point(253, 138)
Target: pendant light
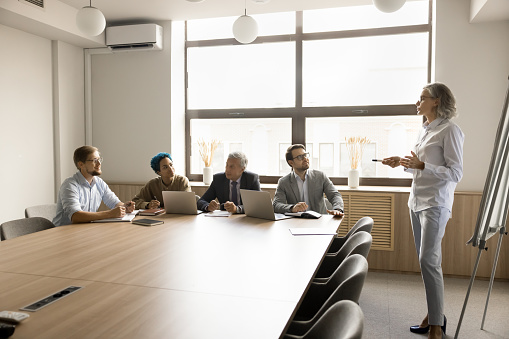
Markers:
point(245, 28)
point(90, 20)
point(388, 6)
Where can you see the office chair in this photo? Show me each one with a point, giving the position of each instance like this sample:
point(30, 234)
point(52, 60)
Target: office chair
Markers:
point(359, 243)
point(363, 224)
point(345, 284)
point(15, 228)
point(48, 211)
point(344, 320)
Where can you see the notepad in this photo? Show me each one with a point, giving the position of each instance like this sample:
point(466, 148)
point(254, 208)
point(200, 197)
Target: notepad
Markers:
point(128, 217)
point(305, 214)
point(147, 222)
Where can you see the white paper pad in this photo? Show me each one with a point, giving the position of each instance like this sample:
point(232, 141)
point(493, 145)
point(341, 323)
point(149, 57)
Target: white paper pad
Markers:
point(312, 231)
point(218, 213)
point(128, 217)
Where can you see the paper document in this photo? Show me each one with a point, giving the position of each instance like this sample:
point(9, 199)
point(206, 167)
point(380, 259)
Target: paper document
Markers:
point(128, 217)
point(218, 213)
point(312, 231)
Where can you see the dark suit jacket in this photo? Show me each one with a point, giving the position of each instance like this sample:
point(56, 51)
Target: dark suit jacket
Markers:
point(220, 189)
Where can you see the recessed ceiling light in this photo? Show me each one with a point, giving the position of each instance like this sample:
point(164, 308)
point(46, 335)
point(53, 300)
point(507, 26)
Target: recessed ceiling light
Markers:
point(260, 1)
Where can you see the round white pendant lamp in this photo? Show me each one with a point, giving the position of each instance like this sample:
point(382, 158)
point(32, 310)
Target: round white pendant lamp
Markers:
point(388, 6)
point(245, 29)
point(195, 1)
point(90, 20)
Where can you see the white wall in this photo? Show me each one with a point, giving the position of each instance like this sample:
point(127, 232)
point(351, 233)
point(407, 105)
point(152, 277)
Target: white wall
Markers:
point(473, 60)
point(26, 128)
point(41, 91)
point(69, 115)
point(131, 110)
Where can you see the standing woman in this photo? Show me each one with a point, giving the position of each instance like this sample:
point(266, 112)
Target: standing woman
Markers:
point(437, 166)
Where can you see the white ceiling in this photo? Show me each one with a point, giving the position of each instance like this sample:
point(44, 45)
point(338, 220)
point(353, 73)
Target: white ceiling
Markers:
point(119, 11)
point(134, 11)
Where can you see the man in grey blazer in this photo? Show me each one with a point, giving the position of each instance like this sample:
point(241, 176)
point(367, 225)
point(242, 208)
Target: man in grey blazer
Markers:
point(303, 188)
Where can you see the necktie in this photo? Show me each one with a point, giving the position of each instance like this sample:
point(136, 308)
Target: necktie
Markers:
point(234, 193)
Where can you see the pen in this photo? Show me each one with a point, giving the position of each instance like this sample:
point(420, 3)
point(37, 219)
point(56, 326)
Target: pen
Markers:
point(377, 160)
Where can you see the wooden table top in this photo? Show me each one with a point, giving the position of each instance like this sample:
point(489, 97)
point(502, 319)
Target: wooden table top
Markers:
point(191, 277)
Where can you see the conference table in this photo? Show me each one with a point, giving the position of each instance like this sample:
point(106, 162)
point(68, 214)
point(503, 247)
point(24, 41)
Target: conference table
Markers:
point(194, 276)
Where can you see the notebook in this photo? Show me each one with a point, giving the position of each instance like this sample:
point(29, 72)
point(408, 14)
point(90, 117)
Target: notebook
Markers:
point(257, 204)
point(180, 202)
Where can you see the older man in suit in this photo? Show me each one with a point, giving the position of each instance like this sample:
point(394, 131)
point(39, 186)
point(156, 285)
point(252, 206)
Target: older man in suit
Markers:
point(303, 188)
point(226, 186)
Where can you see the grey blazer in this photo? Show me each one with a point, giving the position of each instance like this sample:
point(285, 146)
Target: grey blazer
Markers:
point(287, 193)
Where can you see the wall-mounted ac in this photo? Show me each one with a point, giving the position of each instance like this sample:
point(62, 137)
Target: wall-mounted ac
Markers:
point(135, 37)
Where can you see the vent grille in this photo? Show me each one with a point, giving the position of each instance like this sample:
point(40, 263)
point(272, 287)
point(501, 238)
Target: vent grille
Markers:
point(378, 206)
point(36, 3)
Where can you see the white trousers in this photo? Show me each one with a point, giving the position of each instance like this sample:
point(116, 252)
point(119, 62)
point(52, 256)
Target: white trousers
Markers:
point(429, 228)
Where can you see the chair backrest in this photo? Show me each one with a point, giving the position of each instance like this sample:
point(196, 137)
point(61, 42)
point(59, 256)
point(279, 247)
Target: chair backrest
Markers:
point(359, 243)
point(48, 211)
point(15, 228)
point(344, 320)
point(345, 284)
point(363, 224)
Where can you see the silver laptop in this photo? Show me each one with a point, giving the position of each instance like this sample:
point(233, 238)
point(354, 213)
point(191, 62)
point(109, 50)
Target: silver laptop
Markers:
point(257, 204)
point(180, 202)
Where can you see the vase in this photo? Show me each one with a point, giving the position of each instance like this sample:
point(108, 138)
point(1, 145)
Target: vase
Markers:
point(207, 175)
point(353, 178)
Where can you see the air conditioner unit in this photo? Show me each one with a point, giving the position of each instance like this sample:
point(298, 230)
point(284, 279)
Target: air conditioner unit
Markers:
point(135, 37)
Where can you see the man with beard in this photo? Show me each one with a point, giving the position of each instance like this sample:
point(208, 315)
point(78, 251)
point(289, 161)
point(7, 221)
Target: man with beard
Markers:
point(303, 188)
point(80, 196)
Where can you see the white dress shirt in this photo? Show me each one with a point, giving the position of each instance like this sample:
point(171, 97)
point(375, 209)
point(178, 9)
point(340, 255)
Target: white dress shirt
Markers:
point(303, 188)
point(440, 147)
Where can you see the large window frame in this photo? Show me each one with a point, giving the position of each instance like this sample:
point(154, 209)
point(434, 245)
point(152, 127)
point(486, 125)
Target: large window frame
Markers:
point(298, 113)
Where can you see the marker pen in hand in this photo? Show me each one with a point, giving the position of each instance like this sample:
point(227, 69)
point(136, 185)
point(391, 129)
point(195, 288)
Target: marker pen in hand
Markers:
point(377, 160)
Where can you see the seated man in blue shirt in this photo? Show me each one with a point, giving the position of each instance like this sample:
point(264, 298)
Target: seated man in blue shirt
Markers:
point(226, 186)
point(80, 196)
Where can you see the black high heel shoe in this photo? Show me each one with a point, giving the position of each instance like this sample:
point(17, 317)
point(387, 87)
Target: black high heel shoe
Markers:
point(422, 330)
point(418, 329)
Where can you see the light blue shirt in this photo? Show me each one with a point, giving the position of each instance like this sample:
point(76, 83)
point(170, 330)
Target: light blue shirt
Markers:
point(76, 194)
point(303, 188)
point(440, 147)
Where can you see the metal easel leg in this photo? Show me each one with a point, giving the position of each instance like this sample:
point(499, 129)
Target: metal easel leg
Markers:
point(502, 231)
point(468, 292)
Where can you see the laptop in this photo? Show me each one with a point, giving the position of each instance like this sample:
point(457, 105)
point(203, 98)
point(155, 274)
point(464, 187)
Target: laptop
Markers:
point(180, 202)
point(257, 204)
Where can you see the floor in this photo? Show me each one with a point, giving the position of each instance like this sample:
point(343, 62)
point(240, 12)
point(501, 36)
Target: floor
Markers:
point(392, 302)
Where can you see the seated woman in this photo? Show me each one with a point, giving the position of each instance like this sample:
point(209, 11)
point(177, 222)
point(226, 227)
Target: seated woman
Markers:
point(151, 195)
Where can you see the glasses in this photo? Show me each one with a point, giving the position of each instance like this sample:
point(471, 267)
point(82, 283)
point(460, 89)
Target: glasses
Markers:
point(421, 98)
point(96, 161)
point(302, 156)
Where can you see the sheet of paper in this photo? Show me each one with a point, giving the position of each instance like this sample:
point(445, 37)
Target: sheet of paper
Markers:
point(128, 217)
point(312, 231)
point(218, 213)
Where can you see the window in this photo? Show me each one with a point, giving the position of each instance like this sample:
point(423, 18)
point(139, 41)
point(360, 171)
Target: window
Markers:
point(314, 77)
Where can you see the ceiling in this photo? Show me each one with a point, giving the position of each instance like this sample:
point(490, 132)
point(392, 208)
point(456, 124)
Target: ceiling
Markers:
point(136, 11)
point(132, 11)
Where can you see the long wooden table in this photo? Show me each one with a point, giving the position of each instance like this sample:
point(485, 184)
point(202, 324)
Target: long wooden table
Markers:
point(191, 277)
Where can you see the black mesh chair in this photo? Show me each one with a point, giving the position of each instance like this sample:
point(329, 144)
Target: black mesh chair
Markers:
point(359, 243)
point(345, 284)
point(344, 320)
point(363, 224)
point(16, 228)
